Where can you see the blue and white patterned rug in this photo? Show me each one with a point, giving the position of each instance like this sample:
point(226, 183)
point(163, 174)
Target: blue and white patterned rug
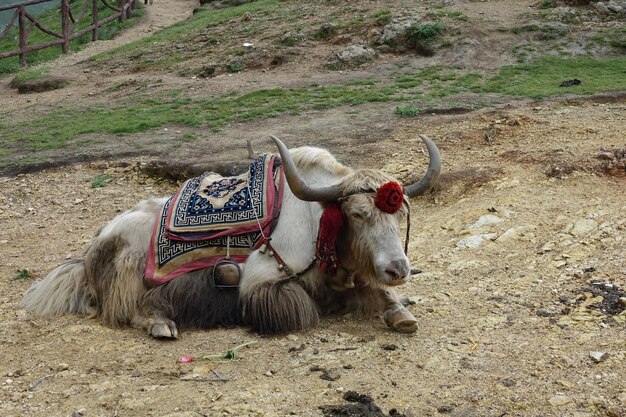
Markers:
point(192, 231)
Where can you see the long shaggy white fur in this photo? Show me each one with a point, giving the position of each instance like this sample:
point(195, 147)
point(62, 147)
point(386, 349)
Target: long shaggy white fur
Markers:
point(62, 291)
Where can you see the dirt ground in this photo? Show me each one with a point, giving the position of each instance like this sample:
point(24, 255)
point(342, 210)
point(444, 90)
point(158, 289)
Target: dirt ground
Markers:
point(520, 302)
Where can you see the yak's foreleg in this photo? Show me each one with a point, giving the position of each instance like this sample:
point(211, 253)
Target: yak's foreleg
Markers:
point(372, 299)
point(396, 314)
point(157, 324)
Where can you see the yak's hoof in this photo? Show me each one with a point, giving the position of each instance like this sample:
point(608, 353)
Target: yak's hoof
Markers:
point(401, 320)
point(164, 331)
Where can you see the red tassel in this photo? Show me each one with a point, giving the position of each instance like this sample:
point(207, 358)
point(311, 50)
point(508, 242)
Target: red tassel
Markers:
point(331, 223)
point(389, 197)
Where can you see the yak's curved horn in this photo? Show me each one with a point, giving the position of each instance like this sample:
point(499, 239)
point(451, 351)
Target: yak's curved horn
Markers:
point(298, 186)
point(432, 173)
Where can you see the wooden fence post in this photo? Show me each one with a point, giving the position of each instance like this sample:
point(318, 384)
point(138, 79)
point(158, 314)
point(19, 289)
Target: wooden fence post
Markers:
point(122, 11)
point(94, 20)
point(22, 41)
point(65, 25)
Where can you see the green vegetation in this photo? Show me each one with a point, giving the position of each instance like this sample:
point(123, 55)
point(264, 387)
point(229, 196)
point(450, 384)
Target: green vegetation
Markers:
point(236, 66)
point(408, 111)
point(31, 75)
point(51, 19)
point(432, 86)
point(546, 4)
point(22, 274)
point(542, 78)
point(100, 181)
point(614, 37)
point(421, 36)
point(382, 17)
point(190, 28)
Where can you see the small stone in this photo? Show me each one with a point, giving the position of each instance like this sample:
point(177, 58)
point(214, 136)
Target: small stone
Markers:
point(68, 256)
point(473, 242)
point(508, 382)
point(524, 232)
point(486, 220)
point(62, 367)
point(560, 400)
point(622, 301)
point(269, 373)
point(355, 54)
point(292, 337)
point(580, 227)
point(389, 346)
point(599, 356)
point(330, 375)
point(445, 409)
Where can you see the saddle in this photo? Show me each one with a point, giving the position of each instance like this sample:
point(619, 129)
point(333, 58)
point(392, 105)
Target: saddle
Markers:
point(214, 220)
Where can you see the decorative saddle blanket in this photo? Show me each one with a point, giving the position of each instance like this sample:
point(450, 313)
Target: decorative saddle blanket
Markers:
point(211, 214)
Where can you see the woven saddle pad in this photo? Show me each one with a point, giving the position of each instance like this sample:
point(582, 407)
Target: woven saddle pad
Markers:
point(211, 212)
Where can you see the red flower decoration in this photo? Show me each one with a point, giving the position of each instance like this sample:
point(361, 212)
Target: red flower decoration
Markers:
point(389, 197)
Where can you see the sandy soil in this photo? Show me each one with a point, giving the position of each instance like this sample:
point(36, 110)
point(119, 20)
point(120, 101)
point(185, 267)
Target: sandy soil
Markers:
point(505, 327)
point(521, 247)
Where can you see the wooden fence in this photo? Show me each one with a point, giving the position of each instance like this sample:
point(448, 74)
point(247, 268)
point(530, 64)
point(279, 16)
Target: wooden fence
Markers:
point(69, 25)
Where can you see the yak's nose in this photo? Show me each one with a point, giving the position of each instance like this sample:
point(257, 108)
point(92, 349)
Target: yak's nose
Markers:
point(397, 270)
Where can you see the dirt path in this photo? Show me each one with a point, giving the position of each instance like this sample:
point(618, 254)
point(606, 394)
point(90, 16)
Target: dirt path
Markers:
point(159, 15)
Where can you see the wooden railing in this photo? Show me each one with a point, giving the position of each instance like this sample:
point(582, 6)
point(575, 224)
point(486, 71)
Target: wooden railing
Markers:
point(69, 24)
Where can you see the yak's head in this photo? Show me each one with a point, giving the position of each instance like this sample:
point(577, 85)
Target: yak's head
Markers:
point(373, 207)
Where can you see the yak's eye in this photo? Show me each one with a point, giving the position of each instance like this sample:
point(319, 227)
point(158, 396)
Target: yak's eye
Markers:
point(356, 215)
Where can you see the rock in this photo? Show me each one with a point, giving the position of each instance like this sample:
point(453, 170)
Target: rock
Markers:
point(292, 337)
point(560, 400)
point(611, 7)
point(622, 301)
point(356, 54)
point(524, 232)
point(564, 14)
point(472, 242)
point(508, 382)
point(330, 375)
point(62, 367)
point(445, 409)
point(486, 220)
point(396, 30)
point(599, 356)
point(580, 227)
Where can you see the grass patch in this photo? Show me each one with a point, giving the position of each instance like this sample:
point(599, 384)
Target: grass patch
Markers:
point(140, 113)
point(407, 111)
point(420, 36)
point(547, 4)
point(542, 78)
point(100, 181)
point(425, 33)
point(186, 30)
point(382, 17)
point(31, 75)
point(22, 274)
point(51, 19)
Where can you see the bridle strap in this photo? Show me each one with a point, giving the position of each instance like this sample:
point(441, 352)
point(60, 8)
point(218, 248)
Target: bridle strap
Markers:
point(408, 230)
